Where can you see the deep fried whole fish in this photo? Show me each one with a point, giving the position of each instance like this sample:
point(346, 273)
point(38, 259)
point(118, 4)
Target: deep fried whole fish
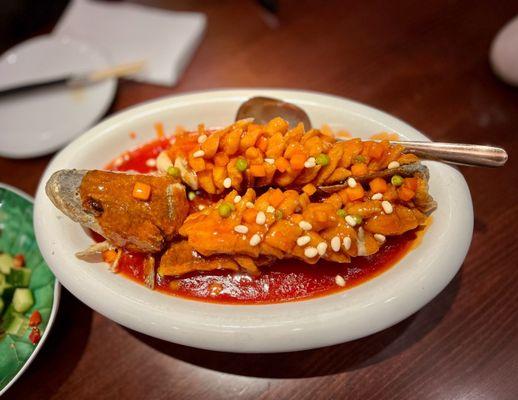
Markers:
point(105, 202)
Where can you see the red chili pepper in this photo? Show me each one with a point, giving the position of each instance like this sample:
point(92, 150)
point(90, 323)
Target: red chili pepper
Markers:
point(35, 336)
point(35, 318)
point(19, 260)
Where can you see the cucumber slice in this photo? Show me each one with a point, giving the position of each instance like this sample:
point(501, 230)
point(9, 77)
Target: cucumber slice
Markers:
point(6, 263)
point(19, 277)
point(17, 325)
point(22, 300)
point(2, 281)
point(7, 315)
point(7, 291)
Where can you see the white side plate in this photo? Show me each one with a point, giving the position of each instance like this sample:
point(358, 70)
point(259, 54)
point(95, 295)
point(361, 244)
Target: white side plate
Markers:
point(41, 121)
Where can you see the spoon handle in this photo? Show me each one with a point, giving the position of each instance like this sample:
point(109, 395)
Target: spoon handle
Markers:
point(456, 153)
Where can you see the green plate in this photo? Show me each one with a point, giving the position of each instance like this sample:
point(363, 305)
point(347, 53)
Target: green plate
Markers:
point(17, 236)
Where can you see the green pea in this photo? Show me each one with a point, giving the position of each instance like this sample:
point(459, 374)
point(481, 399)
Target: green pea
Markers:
point(358, 219)
point(278, 215)
point(341, 213)
point(322, 159)
point(173, 171)
point(191, 195)
point(396, 180)
point(225, 210)
point(359, 159)
point(241, 164)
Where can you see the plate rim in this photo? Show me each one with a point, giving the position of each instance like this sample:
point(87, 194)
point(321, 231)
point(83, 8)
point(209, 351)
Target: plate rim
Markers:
point(55, 302)
point(138, 111)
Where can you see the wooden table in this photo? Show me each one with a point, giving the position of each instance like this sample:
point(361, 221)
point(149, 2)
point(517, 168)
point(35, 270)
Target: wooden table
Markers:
point(425, 62)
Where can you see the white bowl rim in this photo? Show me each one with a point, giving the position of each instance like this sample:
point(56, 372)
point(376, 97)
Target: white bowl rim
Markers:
point(273, 327)
point(53, 313)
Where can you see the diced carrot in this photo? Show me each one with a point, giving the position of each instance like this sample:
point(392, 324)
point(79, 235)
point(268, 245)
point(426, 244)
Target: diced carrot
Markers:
point(405, 193)
point(257, 170)
point(310, 189)
point(197, 163)
point(411, 183)
point(376, 150)
point(343, 196)
point(141, 191)
point(294, 148)
point(276, 197)
point(355, 193)
point(359, 169)
point(378, 185)
point(221, 159)
point(262, 143)
point(297, 160)
point(249, 215)
point(109, 256)
point(282, 164)
point(159, 128)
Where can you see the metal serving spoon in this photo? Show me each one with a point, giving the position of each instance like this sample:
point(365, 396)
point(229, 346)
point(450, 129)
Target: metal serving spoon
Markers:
point(263, 109)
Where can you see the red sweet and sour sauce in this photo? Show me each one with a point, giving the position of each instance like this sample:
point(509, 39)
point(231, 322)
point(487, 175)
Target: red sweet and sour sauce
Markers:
point(287, 280)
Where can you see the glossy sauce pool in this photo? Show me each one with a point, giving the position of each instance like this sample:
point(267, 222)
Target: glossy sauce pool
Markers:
point(283, 281)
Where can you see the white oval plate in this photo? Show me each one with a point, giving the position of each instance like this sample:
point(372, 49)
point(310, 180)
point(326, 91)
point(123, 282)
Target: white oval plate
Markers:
point(360, 311)
point(43, 120)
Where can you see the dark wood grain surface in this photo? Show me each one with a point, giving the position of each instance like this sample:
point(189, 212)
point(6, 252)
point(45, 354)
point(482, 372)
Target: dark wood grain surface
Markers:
point(423, 61)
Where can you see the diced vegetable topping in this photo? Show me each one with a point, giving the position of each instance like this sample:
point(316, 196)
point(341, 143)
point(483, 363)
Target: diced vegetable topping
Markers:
point(358, 219)
point(19, 261)
point(35, 318)
point(396, 180)
point(378, 185)
point(359, 169)
point(241, 164)
point(22, 300)
point(310, 189)
point(109, 256)
point(35, 336)
point(322, 159)
point(359, 159)
point(141, 191)
point(225, 209)
point(6, 263)
point(173, 171)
